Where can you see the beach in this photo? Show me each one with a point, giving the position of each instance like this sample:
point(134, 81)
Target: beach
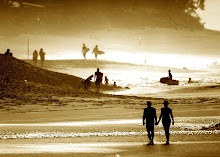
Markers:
point(52, 116)
point(44, 109)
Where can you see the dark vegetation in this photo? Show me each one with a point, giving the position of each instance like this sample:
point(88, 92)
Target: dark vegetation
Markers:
point(68, 17)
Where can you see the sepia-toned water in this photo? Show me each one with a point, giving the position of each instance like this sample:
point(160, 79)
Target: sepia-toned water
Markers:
point(133, 127)
point(141, 79)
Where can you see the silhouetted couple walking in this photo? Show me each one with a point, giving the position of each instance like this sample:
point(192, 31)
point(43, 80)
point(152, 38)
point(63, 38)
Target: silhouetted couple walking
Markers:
point(150, 118)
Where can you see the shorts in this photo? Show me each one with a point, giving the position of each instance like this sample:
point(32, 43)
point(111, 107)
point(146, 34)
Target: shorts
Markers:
point(98, 81)
point(150, 126)
point(166, 122)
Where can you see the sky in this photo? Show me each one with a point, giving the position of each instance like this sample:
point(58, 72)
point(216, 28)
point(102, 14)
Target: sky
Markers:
point(211, 14)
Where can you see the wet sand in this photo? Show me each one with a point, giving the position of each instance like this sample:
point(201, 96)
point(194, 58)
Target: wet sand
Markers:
point(206, 148)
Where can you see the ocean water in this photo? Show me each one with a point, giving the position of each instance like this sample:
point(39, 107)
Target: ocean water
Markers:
point(141, 79)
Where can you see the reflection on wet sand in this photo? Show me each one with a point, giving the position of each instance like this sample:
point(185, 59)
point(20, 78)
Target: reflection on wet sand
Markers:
point(111, 147)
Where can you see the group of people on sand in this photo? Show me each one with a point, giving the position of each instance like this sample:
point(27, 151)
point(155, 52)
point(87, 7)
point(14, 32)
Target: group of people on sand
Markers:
point(150, 119)
point(42, 56)
point(96, 51)
point(98, 78)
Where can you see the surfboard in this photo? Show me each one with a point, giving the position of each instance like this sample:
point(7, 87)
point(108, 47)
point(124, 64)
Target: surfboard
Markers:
point(173, 82)
point(100, 52)
point(168, 81)
point(164, 80)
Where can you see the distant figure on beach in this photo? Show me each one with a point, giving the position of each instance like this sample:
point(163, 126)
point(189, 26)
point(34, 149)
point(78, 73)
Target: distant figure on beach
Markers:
point(106, 80)
point(98, 79)
point(8, 53)
point(87, 83)
point(190, 80)
point(97, 52)
point(42, 56)
point(35, 56)
point(166, 112)
point(150, 118)
point(84, 50)
point(114, 85)
point(170, 75)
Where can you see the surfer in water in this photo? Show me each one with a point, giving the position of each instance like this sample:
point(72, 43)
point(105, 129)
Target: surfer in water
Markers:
point(170, 75)
point(84, 50)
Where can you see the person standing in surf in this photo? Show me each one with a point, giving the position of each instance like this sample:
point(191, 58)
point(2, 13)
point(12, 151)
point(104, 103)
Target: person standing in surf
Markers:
point(98, 79)
point(84, 50)
point(166, 113)
point(106, 80)
point(150, 118)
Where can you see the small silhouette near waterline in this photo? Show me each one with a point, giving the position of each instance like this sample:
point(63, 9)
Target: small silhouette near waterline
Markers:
point(114, 85)
point(106, 80)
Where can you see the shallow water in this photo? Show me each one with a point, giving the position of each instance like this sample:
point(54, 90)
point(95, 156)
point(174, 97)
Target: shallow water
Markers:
point(183, 126)
point(142, 79)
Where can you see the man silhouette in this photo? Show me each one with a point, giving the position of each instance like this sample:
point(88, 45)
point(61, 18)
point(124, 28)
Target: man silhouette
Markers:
point(166, 112)
point(148, 118)
point(98, 79)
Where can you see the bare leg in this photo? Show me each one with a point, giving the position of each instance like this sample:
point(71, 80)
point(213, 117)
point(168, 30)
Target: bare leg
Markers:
point(149, 135)
point(152, 137)
point(166, 128)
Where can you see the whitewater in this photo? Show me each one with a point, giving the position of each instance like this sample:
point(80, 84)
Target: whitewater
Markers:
point(143, 80)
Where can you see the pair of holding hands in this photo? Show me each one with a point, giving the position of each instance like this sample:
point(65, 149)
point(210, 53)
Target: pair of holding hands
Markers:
point(158, 123)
